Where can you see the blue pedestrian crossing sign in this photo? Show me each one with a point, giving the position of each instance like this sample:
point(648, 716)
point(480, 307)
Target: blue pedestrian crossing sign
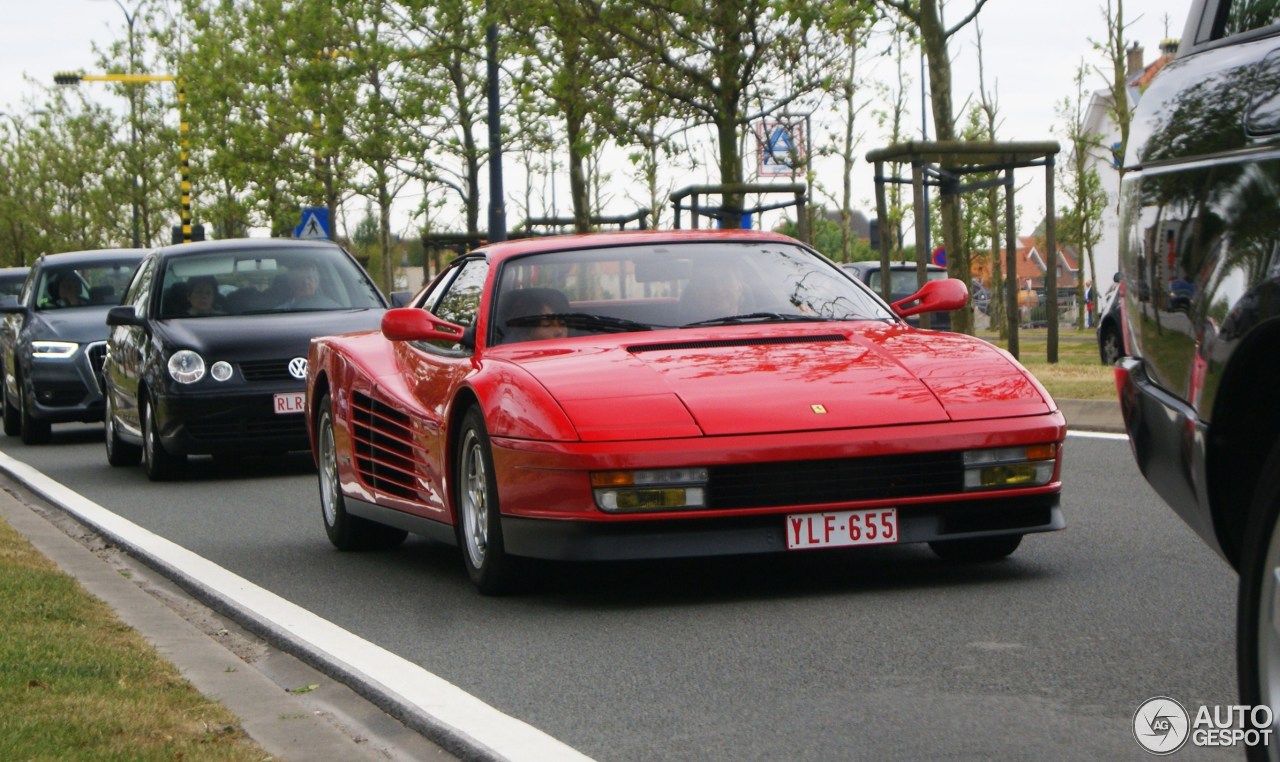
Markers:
point(781, 147)
point(315, 223)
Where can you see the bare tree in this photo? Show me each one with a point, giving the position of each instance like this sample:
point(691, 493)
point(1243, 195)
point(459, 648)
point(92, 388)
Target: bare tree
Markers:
point(926, 17)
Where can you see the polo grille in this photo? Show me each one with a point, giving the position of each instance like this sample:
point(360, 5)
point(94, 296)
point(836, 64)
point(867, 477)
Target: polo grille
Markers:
point(383, 440)
point(806, 482)
point(266, 370)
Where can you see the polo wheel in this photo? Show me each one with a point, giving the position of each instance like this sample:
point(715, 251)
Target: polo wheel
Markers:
point(1109, 345)
point(119, 452)
point(1258, 629)
point(345, 531)
point(977, 549)
point(160, 464)
point(478, 520)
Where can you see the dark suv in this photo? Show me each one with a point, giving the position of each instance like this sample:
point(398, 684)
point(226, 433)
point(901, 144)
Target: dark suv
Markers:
point(1200, 259)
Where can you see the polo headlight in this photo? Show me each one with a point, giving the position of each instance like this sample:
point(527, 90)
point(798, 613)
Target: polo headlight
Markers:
point(656, 490)
point(1007, 467)
point(186, 367)
point(53, 350)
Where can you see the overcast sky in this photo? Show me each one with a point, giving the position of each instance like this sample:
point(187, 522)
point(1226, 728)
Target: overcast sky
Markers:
point(1031, 50)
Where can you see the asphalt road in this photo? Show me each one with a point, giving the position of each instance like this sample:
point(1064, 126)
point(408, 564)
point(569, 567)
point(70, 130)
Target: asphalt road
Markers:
point(887, 653)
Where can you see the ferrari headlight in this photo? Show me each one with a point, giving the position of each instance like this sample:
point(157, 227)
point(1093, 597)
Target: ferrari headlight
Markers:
point(1029, 466)
point(53, 350)
point(186, 367)
point(657, 490)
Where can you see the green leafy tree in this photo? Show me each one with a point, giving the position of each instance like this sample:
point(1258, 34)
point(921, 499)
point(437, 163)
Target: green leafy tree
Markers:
point(926, 17)
point(1081, 186)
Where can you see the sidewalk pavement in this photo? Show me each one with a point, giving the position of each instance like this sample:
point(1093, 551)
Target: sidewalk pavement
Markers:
point(256, 681)
point(293, 711)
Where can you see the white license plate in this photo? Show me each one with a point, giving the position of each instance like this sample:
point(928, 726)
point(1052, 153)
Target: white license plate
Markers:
point(838, 529)
point(291, 402)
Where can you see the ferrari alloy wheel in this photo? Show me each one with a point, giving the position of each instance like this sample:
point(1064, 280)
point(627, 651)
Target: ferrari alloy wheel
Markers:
point(12, 423)
point(160, 464)
point(1258, 631)
point(977, 549)
point(119, 452)
point(34, 430)
point(345, 531)
point(478, 519)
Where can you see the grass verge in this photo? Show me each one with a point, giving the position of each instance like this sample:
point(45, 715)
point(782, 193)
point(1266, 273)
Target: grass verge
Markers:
point(1078, 373)
point(77, 684)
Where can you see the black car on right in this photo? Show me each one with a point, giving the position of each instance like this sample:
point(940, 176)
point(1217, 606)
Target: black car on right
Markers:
point(1200, 262)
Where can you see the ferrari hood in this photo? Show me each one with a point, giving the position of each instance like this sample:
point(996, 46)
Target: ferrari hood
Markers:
point(794, 378)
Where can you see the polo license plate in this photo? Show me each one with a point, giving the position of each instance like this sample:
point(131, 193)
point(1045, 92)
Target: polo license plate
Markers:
point(838, 529)
point(290, 402)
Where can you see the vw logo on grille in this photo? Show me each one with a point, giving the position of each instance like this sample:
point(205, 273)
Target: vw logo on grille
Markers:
point(298, 368)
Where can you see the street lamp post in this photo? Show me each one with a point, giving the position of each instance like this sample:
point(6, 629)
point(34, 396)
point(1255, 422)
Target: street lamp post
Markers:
point(133, 126)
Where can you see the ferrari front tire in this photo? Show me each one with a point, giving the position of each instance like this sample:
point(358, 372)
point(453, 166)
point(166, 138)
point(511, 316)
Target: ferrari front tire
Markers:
point(345, 531)
point(160, 464)
point(478, 518)
point(1258, 632)
point(977, 549)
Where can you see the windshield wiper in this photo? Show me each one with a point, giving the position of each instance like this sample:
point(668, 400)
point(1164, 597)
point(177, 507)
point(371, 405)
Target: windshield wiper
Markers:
point(584, 321)
point(759, 317)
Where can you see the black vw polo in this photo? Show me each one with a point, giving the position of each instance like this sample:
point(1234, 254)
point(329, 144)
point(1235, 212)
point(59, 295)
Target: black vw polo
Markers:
point(207, 352)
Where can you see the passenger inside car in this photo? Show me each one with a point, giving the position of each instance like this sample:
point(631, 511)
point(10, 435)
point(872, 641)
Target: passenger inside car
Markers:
point(528, 315)
point(712, 293)
point(66, 290)
point(202, 295)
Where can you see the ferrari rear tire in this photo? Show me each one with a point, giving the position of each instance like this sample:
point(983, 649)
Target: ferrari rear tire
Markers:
point(977, 549)
point(160, 464)
point(119, 452)
point(1258, 632)
point(345, 531)
point(478, 517)
point(34, 430)
point(12, 423)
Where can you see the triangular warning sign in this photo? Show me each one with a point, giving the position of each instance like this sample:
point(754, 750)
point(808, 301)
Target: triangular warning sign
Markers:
point(780, 141)
point(311, 228)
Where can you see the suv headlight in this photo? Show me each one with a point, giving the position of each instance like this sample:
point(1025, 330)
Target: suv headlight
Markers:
point(57, 350)
point(186, 367)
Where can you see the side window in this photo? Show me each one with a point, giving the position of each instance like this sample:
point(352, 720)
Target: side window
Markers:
point(459, 300)
point(1248, 15)
point(139, 289)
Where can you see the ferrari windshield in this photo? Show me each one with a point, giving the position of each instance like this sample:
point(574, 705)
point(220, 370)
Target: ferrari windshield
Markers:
point(673, 285)
point(266, 280)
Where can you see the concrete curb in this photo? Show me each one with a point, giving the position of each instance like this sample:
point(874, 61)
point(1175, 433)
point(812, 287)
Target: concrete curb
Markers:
point(1093, 415)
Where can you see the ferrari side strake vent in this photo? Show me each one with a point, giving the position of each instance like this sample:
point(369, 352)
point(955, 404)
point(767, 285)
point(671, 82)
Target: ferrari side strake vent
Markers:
point(743, 342)
point(382, 440)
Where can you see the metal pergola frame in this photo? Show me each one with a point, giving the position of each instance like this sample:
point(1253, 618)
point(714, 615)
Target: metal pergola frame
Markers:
point(944, 165)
